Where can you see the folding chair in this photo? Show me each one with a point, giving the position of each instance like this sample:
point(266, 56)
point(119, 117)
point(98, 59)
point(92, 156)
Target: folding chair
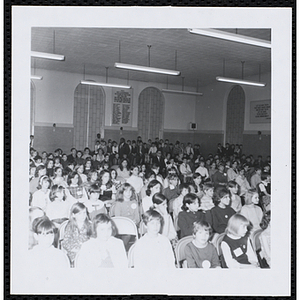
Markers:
point(179, 250)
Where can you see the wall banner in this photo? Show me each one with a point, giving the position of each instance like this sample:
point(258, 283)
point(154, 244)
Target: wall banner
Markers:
point(122, 107)
point(260, 111)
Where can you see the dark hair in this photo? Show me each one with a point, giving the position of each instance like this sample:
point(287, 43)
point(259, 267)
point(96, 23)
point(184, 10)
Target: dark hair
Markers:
point(109, 183)
point(41, 179)
point(159, 198)
point(149, 173)
point(54, 189)
point(94, 188)
point(121, 164)
point(43, 224)
point(151, 184)
point(264, 176)
point(103, 218)
point(90, 174)
point(189, 199)
point(219, 193)
point(231, 184)
point(207, 186)
point(38, 168)
point(183, 186)
point(71, 176)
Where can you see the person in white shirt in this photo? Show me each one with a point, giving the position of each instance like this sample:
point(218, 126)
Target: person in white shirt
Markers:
point(202, 170)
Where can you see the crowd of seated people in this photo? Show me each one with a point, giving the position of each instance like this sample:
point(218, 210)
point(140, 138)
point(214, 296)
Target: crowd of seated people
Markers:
point(168, 191)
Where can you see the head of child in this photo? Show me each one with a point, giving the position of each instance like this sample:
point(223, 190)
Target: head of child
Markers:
point(79, 168)
point(134, 170)
point(57, 192)
point(40, 171)
point(34, 213)
point(92, 176)
point(173, 179)
point(266, 177)
point(126, 193)
point(251, 197)
point(78, 214)
point(184, 189)
point(238, 226)
point(191, 203)
point(221, 197)
point(44, 230)
point(94, 192)
point(50, 164)
point(104, 227)
point(197, 178)
point(44, 183)
point(74, 179)
point(160, 203)
point(232, 187)
point(113, 174)
point(154, 186)
point(153, 222)
point(124, 164)
point(104, 177)
point(202, 232)
point(208, 189)
point(265, 222)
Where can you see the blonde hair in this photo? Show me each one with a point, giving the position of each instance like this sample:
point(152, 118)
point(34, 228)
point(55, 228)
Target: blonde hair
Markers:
point(249, 195)
point(235, 222)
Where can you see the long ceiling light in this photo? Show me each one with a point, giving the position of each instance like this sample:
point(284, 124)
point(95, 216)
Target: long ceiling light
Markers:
point(181, 92)
point(146, 69)
point(105, 84)
point(36, 77)
point(232, 37)
point(240, 81)
point(47, 55)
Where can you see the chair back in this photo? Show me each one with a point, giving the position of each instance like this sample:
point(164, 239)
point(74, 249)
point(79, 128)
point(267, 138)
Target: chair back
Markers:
point(142, 228)
point(218, 242)
point(125, 226)
point(254, 237)
point(61, 235)
point(179, 249)
point(131, 256)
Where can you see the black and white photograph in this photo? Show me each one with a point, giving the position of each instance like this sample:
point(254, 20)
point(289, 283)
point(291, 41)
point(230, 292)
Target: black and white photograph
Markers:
point(151, 151)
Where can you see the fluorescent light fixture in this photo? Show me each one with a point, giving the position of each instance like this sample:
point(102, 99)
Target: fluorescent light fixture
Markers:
point(47, 55)
point(240, 81)
point(232, 37)
point(181, 92)
point(146, 69)
point(36, 77)
point(105, 84)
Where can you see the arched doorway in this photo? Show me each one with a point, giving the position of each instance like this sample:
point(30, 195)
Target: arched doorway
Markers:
point(150, 113)
point(235, 115)
point(89, 115)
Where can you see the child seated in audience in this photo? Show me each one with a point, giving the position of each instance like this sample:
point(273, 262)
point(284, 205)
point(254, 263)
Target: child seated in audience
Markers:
point(219, 215)
point(107, 189)
point(34, 182)
point(153, 250)
point(135, 180)
point(44, 257)
point(75, 187)
point(172, 191)
point(154, 186)
point(94, 205)
point(40, 198)
point(58, 177)
point(103, 251)
point(77, 231)
point(265, 238)
point(207, 200)
point(198, 187)
point(236, 203)
point(236, 246)
point(177, 203)
point(160, 205)
point(58, 208)
point(34, 213)
point(264, 191)
point(200, 253)
point(243, 183)
point(126, 204)
point(251, 210)
point(190, 213)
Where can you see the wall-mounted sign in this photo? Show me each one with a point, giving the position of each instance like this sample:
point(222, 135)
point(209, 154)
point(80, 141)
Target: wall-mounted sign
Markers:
point(260, 111)
point(122, 107)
